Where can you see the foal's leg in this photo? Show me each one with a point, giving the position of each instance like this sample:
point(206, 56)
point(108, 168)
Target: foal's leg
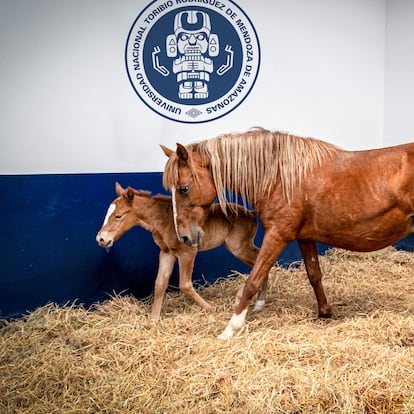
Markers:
point(310, 257)
point(272, 246)
point(165, 268)
point(186, 262)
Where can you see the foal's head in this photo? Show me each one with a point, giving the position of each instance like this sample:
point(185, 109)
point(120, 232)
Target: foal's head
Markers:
point(187, 175)
point(119, 218)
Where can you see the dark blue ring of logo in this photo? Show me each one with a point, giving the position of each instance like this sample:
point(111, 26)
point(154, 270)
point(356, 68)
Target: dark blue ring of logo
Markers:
point(165, 87)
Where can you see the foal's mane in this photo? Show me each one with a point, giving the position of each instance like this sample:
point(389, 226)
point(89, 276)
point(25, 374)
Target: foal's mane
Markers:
point(148, 194)
point(249, 163)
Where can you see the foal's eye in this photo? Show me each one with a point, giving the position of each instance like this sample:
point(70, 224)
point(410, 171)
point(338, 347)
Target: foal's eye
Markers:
point(118, 217)
point(184, 189)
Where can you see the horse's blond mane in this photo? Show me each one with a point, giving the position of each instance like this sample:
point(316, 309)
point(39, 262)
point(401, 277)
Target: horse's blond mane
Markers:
point(249, 163)
point(170, 176)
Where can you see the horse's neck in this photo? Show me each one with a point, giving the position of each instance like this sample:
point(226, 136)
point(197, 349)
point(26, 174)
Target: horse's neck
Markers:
point(152, 214)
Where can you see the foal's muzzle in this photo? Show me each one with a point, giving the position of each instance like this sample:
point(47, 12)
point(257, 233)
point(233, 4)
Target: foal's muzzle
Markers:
point(104, 240)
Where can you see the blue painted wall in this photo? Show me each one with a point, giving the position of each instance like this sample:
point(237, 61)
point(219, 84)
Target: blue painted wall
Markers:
point(48, 251)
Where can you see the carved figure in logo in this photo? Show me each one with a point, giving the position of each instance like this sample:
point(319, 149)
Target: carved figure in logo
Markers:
point(193, 45)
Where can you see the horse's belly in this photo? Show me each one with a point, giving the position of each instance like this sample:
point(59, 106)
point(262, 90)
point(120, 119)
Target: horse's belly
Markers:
point(363, 235)
point(359, 245)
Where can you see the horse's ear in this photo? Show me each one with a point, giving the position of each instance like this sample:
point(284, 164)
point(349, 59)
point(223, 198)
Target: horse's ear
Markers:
point(118, 189)
point(167, 151)
point(182, 152)
point(130, 194)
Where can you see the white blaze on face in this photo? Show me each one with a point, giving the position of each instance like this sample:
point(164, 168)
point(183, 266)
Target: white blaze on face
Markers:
point(174, 206)
point(111, 209)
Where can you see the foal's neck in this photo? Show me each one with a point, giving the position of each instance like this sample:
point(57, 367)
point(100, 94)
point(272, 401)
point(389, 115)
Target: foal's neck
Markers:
point(153, 213)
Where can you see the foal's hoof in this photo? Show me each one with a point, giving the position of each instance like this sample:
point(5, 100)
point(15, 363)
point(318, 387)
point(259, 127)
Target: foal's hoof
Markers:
point(207, 308)
point(154, 319)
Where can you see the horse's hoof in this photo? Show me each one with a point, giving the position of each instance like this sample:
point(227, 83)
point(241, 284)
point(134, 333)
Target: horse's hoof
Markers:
point(259, 306)
point(224, 335)
point(230, 333)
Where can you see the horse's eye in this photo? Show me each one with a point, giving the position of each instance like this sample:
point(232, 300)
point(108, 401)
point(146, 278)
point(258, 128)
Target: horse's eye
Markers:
point(118, 217)
point(184, 189)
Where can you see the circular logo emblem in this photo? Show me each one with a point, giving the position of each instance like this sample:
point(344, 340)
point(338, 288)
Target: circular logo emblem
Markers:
point(192, 60)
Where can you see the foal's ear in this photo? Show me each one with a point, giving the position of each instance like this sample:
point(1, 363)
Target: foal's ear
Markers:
point(130, 194)
point(118, 189)
point(182, 152)
point(167, 151)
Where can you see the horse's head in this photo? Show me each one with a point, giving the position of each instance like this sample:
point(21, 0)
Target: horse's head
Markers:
point(119, 218)
point(187, 175)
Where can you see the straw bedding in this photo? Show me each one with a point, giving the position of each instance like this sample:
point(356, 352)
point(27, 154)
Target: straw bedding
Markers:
point(113, 359)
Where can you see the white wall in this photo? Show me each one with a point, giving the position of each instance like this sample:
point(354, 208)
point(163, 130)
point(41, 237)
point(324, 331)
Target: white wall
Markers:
point(67, 104)
point(399, 73)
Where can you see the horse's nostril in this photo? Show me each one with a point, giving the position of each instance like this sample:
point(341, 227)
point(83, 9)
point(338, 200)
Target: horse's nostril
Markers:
point(186, 240)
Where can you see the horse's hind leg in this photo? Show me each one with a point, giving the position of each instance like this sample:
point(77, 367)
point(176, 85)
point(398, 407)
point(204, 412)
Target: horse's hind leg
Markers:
point(186, 262)
point(165, 268)
point(310, 257)
point(261, 297)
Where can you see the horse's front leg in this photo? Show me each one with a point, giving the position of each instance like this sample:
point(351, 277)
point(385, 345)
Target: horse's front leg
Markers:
point(261, 297)
point(272, 246)
point(313, 269)
point(240, 243)
point(186, 262)
point(165, 268)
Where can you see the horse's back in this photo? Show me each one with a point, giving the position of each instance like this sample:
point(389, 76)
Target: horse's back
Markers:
point(360, 200)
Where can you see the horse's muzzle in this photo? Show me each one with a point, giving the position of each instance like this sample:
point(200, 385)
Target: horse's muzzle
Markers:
point(186, 240)
point(194, 240)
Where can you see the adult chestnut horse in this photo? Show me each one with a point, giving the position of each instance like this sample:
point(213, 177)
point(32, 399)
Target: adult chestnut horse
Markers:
point(235, 230)
point(302, 189)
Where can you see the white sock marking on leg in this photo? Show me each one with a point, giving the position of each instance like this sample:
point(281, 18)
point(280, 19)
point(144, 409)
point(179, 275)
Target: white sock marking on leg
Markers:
point(259, 305)
point(235, 325)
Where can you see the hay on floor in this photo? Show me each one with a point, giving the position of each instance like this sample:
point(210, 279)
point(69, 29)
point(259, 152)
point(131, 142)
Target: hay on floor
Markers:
point(113, 359)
